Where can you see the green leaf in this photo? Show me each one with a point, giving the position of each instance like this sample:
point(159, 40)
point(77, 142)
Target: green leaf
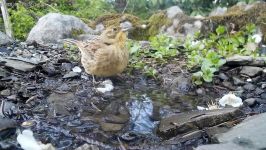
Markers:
point(198, 74)
point(135, 48)
point(241, 39)
point(220, 30)
point(196, 77)
point(221, 62)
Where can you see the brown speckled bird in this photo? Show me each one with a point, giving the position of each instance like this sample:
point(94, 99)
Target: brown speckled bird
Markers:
point(106, 55)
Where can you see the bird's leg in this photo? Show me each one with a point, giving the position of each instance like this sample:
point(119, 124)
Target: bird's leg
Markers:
point(94, 82)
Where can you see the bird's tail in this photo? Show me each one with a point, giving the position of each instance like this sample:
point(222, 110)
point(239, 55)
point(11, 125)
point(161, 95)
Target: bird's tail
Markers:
point(79, 44)
point(71, 41)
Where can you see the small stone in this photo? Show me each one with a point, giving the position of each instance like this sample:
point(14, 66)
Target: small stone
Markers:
point(261, 101)
point(228, 85)
point(261, 108)
point(5, 92)
point(3, 73)
point(251, 71)
point(76, 69)
point(19, 52)
point(258, 91)
point(200, 91)
point(249, 87)
point(23, 44)
point(85, 77)
point(238, 81)
point(63, 87)
point(71, 74)
point(26, 53)
point(250, 101)
point(12, 97)
point(239, 91)
point(30, 47)
point(54, 47)
point(67, 66)
point(263, 95)
point(7, 107)
point(263, 86)
point(87, 147)
point(111, 127)
point(223, 76)
point(249, 80)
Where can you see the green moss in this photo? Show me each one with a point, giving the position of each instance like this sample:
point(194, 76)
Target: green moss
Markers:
point(138, 33)
point(114, 20)
point(238, 16)
point(156, 21)
point(153, 26)
point(76, 32)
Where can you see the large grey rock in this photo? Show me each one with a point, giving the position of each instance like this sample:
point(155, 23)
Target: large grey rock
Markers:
point(251, 71)
point(4, 39)
point(17, 64)
point(54, 26)
point(187, 122)
point(248, 135)
point(218, 11)
point(239, 60)
point(245, 60)
point(173, 11)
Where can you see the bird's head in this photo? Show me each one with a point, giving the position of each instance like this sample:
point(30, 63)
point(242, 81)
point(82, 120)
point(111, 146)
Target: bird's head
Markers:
point(111, 32)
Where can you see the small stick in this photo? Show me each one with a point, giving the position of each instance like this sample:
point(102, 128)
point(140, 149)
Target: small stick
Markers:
point(5, 15)
point(31, 98)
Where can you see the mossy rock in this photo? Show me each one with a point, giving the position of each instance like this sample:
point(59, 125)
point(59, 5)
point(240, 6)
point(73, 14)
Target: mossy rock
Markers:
point(156, 22)
point(241, 15)
point(115, 19)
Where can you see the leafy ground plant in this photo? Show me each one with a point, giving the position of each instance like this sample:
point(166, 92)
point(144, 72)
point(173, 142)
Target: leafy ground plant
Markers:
point(208, 53)
point(162, 48)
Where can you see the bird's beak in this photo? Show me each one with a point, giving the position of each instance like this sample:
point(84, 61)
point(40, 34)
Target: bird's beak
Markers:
point(126, 26)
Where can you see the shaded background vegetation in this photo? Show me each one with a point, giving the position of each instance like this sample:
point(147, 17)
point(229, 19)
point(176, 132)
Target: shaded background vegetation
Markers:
point(24, 14)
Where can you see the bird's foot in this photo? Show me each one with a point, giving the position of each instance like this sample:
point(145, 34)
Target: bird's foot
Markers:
point(94, 82)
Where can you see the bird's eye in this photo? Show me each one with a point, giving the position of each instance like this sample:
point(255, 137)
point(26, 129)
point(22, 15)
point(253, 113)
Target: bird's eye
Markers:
point(115, 29)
